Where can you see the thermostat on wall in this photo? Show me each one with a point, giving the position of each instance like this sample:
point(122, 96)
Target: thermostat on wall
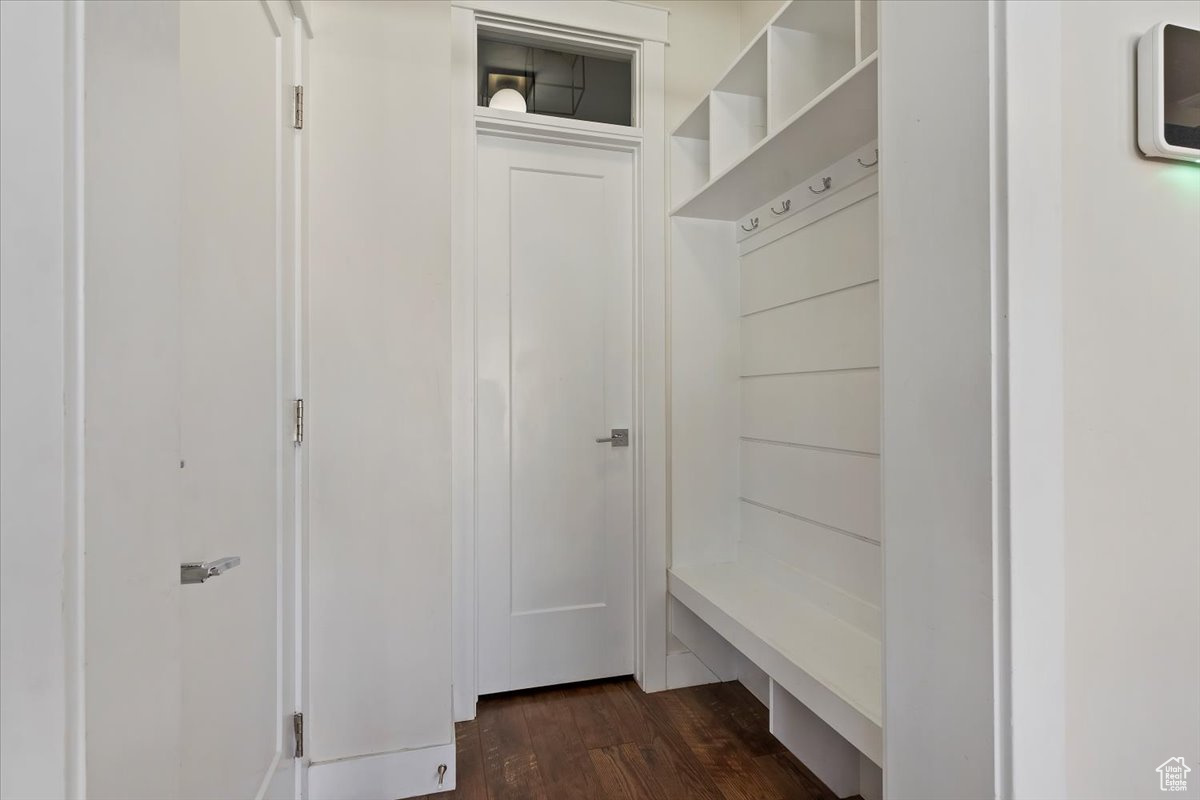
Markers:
point(1169, 92)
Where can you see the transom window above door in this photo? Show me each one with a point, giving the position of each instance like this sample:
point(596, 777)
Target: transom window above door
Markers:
point(525, 75)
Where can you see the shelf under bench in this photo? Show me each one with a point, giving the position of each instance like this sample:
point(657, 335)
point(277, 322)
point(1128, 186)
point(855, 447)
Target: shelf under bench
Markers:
point(832, 667)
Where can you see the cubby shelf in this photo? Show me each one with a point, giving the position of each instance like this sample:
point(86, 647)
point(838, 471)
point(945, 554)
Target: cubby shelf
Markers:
point(840, 119)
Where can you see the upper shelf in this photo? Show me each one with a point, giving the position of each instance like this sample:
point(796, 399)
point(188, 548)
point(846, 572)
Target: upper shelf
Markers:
point(842, 118)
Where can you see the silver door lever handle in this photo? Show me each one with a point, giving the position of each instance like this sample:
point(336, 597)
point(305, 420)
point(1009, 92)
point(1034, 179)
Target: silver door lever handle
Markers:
point(200, 571)
point(619, 438)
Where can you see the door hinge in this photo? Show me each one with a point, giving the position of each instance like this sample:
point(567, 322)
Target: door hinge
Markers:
point(298, 438)
point(298, 729)
point(298, 121)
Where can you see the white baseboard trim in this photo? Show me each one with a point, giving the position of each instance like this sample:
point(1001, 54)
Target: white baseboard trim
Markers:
point(387, 776)
point(684, 669)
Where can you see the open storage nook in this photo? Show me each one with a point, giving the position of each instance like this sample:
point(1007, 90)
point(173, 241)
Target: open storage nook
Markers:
point(776, 562)
point(690, 153)
point(800, 96)
point(812, 45)
point(738, 107)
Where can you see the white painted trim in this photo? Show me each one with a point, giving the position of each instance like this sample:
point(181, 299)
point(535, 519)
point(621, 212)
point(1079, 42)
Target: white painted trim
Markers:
point(462, 354)
point(404, 773)
point(643, 23)
point(858, 43)
point(648, 144)
point(644, 5)
point(652, 367)
point(74, 601)
point(41, 730)
point(538, 32)
point(1029, 376)
point(572, 130)
point(302, 10)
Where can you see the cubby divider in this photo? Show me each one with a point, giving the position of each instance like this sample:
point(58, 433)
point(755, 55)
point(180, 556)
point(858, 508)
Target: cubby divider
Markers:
point(738, 108)
point(690, 148)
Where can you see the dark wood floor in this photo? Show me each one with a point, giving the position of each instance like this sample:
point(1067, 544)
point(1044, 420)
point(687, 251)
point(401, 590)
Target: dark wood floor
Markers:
point(611, 740)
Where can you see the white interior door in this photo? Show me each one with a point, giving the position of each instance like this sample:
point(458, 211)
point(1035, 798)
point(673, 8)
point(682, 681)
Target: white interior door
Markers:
point(554, 373)
point(237, 388)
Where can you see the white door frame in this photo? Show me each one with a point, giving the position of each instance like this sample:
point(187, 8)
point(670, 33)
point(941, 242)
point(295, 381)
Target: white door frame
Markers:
point(297, 583)
point(641, 36)
point(70, 21)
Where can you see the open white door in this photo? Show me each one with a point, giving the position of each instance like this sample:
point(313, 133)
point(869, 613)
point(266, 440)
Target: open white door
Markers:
point(238, 386)
point(555, 377)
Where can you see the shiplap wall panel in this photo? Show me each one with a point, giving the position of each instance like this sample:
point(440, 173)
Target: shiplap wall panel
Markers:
point(833, 331)
point(825, 409)
point(834, 252)
point(851, 565)
point(826, 486)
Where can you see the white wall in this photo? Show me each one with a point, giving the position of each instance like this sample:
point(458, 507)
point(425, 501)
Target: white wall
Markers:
point(753, 15)
point(1123, 563)
point(703, 42)
point(378, 116)
point(1131, 314)
point(704, 384)
point(703, 301)
point(33, 629)
point(705, 36)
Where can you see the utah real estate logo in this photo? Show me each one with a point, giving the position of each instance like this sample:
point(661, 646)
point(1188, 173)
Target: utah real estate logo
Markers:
point(1172, 775)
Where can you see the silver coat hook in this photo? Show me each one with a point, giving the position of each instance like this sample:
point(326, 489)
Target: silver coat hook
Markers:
point(826, 182)
point(873, 163)
point(787, 206)
point(753, 225)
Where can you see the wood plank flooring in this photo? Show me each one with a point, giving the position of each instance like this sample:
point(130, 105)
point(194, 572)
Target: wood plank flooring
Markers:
point(610, 741)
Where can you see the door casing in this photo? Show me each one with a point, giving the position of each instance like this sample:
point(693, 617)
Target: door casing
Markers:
point(649, 424)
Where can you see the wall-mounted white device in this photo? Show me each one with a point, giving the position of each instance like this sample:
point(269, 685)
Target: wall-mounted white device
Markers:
point(1169, 92)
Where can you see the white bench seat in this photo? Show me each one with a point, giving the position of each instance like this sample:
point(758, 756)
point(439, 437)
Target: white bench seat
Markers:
point(832, 667)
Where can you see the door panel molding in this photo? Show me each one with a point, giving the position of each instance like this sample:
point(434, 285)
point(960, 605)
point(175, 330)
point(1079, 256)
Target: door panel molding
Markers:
point(555, 320)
